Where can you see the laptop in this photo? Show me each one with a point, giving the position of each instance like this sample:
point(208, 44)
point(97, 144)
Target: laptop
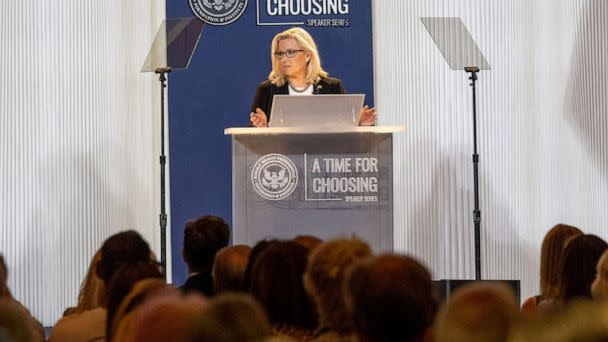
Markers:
point(316, 111)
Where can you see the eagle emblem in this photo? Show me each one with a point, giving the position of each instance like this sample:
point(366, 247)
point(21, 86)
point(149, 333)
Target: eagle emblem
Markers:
point(274, 179)
point(219, 5)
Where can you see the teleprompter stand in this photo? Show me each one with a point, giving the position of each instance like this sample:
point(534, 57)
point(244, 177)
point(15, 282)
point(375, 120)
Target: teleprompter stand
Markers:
point(172, 49)
point(461, 53)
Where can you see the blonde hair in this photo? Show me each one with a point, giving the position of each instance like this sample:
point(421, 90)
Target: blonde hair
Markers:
point(314, 71)
point(599, 288)
point(477, 312)
point(92, 290)
point(324, 275)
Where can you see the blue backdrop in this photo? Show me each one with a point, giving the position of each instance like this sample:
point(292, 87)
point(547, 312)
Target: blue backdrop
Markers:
point(217, 89)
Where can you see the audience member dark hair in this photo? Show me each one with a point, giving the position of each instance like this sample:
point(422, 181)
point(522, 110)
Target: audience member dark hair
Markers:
point(4, 291)
point(142, 292)
point(308, 241)
point(203, 238)
point(36, 330)
point(231, 317)
point(324, 278)
point(390, 298)
point(121, 248)
point(477, 312)
point(253, 257)
point(276, 282)
point(579, 262)
point(229, 268)
point(14, 323)
point(122, 283)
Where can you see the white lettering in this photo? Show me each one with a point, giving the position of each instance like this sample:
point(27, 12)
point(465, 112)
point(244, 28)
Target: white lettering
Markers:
point(344, 8)
point(334, 165)
point(269, 9)
point(283, 7)
point(345, 185)
point(306, 7)
point(316, 168)
point(366, 164)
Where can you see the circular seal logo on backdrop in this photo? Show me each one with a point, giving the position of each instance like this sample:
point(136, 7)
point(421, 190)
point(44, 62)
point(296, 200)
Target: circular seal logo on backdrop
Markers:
point(274, 177)
point(218, 12)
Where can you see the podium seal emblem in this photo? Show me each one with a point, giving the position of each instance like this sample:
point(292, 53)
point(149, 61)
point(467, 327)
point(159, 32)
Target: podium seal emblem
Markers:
point(218, 12)
point(274, 177)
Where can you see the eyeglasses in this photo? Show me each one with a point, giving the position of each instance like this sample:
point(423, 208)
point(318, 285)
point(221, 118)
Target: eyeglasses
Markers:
point(289, 53)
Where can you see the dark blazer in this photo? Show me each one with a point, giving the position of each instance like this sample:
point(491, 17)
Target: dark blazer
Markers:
point(266, 92)
point(201, 283)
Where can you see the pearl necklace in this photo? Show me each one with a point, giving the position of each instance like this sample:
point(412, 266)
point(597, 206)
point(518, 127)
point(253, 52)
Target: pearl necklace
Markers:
point(300, 90)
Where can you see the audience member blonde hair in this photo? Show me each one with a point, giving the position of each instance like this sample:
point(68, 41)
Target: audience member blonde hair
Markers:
point(314, 71)
point(599, 288)
point(229, 268)
point(479, 312)
point(323, 280)
point(92, 291)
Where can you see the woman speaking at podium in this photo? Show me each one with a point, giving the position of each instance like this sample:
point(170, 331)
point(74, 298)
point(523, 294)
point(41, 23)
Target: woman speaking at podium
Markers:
point(296, 70)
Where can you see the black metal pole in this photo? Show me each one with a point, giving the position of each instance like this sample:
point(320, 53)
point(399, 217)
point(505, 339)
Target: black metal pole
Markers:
point(163, 162)
point(476, 211)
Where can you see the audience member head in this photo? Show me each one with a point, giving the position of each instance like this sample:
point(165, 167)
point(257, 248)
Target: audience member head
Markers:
point(308, 241)
point(123, 283)
point(229, 268)
point(324, 277)
point(551, 253)
point(579, 263)
point(14, 322)
point(167, 317)
point(92, 291)
point(118, 249)
point(144, 291)
point(276, 282)
point(203, 238)
point(231, 317)
point(599, 288)
point(253, 257)
point(578, 321)
point(477, 312)
point(390, 298)
point(4, 291)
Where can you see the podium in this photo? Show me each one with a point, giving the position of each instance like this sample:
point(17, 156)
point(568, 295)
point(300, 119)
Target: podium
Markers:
point(328, 183)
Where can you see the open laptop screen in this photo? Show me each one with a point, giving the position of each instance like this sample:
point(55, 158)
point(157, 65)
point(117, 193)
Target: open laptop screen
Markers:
point(322, 111)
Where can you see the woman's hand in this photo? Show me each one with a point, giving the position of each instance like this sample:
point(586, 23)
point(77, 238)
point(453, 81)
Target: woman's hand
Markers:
point(258, 118)
point(368, 116)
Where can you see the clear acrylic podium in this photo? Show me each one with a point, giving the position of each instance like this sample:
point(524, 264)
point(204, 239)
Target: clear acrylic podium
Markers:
point(301, 181)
